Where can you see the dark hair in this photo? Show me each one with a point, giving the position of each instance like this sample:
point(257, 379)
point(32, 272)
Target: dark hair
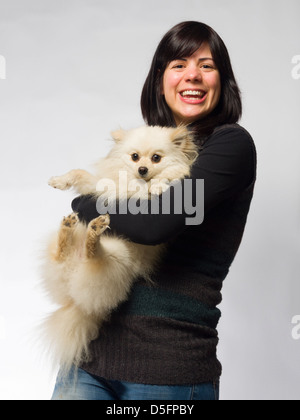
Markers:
point(183, 40)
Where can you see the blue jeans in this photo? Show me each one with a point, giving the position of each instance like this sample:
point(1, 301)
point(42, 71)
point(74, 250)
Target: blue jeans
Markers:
point(85, 386)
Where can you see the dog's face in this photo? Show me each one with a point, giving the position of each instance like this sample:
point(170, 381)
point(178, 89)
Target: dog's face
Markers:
point(149, 151)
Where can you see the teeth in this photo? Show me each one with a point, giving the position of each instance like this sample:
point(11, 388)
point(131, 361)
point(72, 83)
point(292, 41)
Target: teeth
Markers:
point(193, 93)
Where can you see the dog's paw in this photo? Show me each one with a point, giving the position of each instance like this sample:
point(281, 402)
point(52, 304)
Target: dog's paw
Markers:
point(99, 225)
point(159, 187)
point(70, 221)
point(59, 182)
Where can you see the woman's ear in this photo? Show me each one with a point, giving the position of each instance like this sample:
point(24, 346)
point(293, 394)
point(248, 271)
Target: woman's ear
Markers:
point(118, 135)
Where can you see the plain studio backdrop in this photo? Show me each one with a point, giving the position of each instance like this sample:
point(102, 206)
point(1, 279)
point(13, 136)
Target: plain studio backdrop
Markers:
point(71, 71)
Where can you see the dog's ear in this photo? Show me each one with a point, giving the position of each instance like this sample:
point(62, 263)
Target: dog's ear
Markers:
point(118, 135)
point(183, 139)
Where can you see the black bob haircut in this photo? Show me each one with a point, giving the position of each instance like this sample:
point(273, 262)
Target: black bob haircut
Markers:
point(182, 41)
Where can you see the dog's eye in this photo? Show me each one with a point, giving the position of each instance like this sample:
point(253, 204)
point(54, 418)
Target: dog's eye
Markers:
point(135, 157)
point(156, 158)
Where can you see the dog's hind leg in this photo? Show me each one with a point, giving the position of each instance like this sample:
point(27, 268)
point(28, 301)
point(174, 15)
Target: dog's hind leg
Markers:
point(65, 237)
point(95, 228)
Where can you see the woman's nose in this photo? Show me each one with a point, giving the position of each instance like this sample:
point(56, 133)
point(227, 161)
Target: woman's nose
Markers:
point(193, 74)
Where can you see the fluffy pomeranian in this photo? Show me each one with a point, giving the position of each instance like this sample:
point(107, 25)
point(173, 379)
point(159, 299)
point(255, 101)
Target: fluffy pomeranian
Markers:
point(88, 271)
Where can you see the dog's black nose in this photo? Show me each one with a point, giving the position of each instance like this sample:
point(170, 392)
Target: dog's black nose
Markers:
point(143, 170)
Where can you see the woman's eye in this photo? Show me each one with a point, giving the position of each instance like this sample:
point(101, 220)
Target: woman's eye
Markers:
point(135, 157)
point(177, 66)
point(156, 158)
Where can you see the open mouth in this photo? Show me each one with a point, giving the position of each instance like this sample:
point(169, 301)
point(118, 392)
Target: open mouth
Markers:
point(195, 94)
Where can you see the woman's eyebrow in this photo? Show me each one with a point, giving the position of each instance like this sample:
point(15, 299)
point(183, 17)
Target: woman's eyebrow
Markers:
point(200, 59)
point(206, 58)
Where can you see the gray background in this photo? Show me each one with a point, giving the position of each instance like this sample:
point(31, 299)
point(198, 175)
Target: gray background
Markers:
point(74, 72)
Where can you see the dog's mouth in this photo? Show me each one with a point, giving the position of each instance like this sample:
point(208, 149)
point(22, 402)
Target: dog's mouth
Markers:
point(145, 178)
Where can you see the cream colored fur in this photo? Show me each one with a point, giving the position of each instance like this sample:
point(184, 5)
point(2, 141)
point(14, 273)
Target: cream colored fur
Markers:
point(89, 273)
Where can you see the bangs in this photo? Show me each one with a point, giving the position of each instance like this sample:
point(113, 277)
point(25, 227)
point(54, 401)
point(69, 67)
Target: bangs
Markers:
point(184, 43)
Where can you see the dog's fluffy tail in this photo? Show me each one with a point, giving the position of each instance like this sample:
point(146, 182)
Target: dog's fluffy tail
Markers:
point(70, 331)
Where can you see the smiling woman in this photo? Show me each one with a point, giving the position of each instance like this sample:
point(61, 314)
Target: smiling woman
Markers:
point(192, 86)
point(165, 334)
point(191, 57)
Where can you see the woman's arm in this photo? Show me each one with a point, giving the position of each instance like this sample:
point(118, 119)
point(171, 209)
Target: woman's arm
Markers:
point(227, 166)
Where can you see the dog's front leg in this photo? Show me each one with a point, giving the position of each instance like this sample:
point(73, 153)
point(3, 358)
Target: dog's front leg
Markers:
point(82, 181)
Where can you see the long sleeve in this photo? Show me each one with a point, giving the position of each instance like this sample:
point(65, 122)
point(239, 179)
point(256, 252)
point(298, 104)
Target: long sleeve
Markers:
point(226, 165)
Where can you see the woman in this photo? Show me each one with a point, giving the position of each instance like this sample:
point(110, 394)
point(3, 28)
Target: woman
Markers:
point(162, 343)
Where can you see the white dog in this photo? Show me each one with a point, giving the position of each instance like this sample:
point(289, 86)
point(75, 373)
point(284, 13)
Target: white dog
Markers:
point(87, 272)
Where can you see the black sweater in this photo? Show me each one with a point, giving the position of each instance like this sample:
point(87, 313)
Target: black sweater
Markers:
point(166, 332)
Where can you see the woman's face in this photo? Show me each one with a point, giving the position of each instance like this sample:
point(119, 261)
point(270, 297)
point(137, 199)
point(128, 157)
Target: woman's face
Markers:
point(192, 86)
